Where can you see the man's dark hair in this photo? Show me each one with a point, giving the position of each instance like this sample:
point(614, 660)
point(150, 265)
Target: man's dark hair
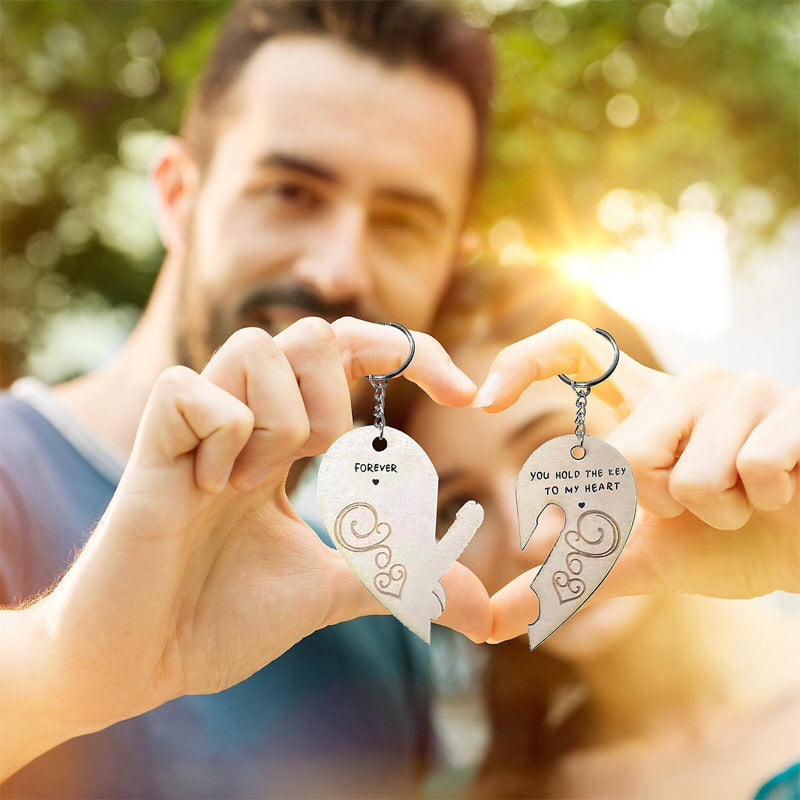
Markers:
point(395, 31)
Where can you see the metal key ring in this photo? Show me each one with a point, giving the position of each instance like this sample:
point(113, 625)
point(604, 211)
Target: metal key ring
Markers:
point(606, 374)
point(379, 378)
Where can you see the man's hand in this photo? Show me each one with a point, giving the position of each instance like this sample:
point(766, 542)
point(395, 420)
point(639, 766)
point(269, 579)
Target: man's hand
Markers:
point(200, 572)
point(715, 456)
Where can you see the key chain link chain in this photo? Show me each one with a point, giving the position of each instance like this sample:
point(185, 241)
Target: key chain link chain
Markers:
point(380, 404)
point(380, 382)
point(582, 393)
point(583, 388)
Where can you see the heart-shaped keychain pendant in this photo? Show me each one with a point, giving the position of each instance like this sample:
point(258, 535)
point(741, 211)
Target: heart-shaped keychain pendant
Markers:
point(378, 494)
point(593, 484)
point(385, 527)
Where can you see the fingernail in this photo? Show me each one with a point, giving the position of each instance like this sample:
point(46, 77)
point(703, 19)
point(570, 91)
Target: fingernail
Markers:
point(487, 394)
point(492, 641)
point(222, 482)
point(464, 382)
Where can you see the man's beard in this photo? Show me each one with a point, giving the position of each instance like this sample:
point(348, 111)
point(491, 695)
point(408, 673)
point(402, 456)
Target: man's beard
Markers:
point(195, 349)
point(205, 322)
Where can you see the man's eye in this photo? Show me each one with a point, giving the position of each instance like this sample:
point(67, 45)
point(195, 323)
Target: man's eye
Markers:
point(401, 224)
point(294, 194)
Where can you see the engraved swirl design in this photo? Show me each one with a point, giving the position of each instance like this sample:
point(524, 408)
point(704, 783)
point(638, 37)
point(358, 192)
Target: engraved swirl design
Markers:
point(593, 538)
point(361, 533)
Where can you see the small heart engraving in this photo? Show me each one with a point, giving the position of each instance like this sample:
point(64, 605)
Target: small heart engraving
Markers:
point(375, 481)
point(391, 581)
point(581, 505)
point(567, 588)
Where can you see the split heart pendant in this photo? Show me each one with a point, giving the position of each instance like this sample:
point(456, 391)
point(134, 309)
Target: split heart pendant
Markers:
point(378, 497)
point(593, 484)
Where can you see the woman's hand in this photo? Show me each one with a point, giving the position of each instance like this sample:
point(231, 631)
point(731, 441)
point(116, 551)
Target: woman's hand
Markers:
point(200, 572)
point(715, 456)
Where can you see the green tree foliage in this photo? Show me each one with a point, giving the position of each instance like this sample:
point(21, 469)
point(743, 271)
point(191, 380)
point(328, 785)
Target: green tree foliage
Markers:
point(594, 96)
point(650, 97)
point(87, 87)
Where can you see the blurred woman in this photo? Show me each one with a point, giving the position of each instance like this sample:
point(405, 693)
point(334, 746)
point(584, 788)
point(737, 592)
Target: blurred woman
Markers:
point(666, 695)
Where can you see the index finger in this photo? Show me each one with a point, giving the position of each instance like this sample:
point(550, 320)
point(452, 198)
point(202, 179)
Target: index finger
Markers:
point(368, 348)
point(573, 348)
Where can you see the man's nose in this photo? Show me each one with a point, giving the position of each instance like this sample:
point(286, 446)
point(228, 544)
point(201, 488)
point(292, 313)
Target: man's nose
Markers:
point(334, 263)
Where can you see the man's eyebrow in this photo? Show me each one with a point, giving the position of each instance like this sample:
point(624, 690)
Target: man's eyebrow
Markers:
point(298, 164)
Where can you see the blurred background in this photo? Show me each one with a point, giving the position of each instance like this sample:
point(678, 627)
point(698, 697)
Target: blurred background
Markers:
point(648, 150)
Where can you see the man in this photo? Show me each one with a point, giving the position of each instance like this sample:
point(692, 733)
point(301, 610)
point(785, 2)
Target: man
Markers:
point(324, 168)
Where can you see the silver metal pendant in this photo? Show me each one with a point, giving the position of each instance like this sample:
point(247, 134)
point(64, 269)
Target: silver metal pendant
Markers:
point(598, 496)
point(379, 506)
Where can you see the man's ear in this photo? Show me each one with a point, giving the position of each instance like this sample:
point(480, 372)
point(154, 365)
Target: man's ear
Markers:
point(174, 183)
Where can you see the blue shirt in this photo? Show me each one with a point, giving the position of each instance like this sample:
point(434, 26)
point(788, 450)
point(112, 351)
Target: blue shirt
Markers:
point(344, 713)
point(785, 786)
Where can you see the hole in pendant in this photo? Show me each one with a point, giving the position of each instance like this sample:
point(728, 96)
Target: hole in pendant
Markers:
point(379, 444)
point(578, 452)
